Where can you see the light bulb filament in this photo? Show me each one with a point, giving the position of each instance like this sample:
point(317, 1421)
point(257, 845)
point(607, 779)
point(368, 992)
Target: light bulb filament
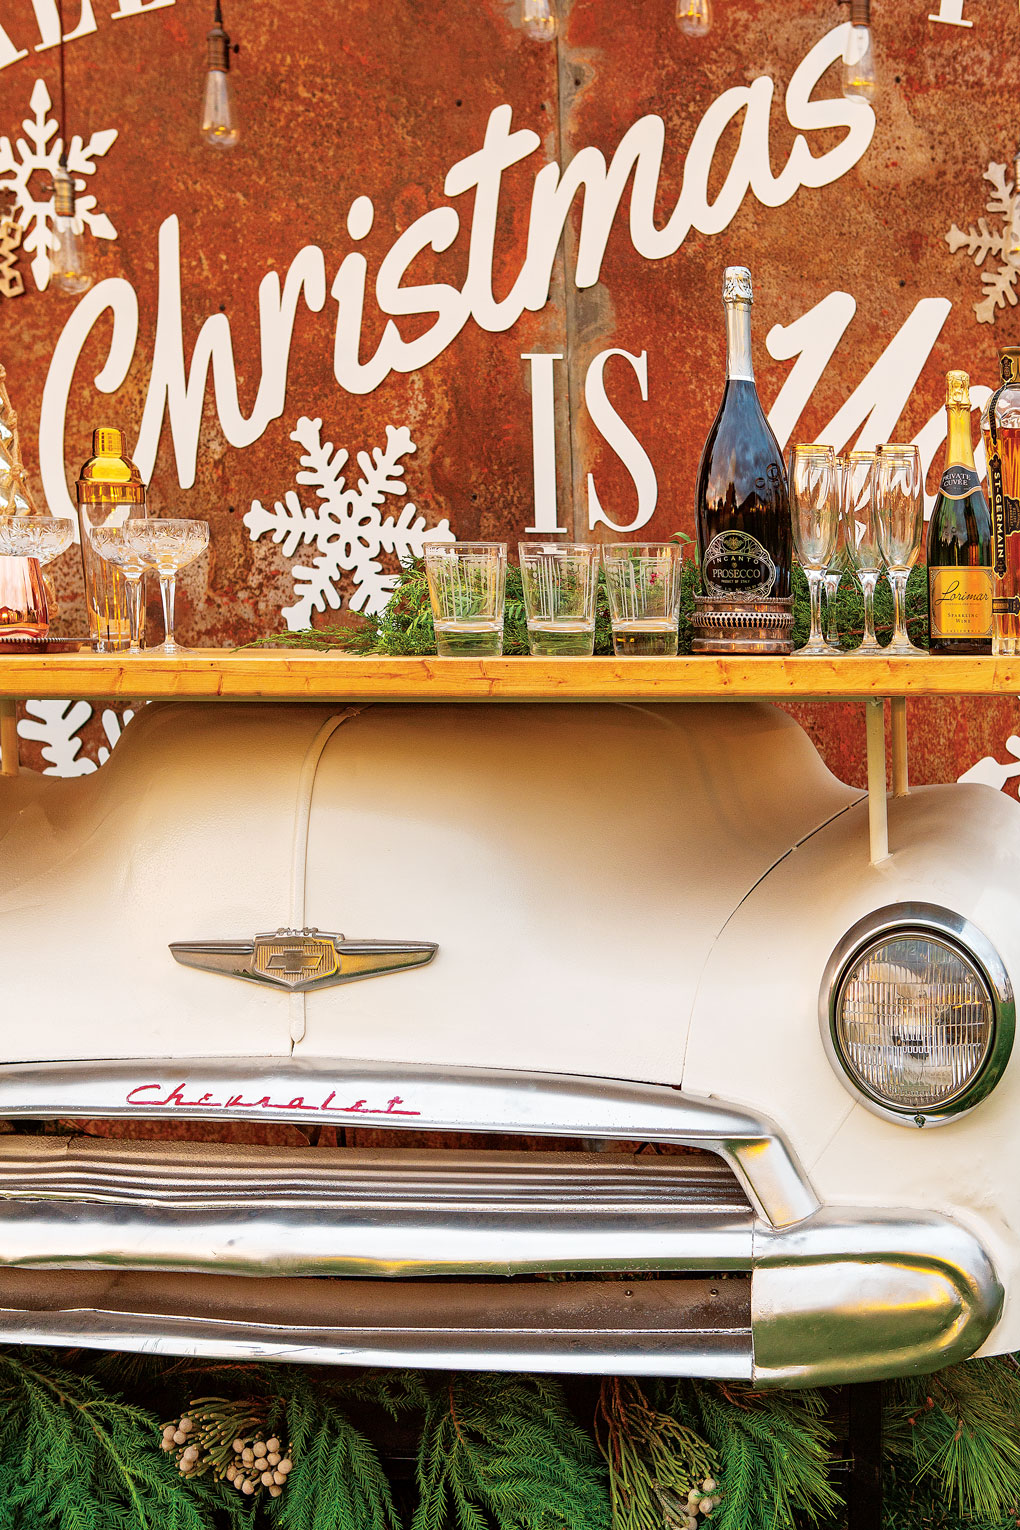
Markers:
point(538, 20)
point(859, 63)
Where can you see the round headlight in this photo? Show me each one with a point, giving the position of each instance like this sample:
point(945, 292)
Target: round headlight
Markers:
point(920, 1013)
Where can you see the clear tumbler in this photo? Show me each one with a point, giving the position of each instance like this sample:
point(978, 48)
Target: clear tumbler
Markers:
point(559, 580)
point(467, 588)
point(643, 585)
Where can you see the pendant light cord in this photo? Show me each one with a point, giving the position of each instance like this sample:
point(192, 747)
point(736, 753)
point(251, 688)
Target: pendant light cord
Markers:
point(63, 88)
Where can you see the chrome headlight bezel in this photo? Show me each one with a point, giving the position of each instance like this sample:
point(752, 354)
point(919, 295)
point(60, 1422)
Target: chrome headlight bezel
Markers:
point(926, 919)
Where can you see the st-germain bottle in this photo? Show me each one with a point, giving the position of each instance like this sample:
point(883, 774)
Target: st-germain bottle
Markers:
point(743, 507)
point(1000, 426)
point(959, 541)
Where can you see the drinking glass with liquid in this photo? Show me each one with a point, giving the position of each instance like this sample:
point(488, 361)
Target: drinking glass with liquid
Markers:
point(643, 585)
point(467, 588)
point(559, 580)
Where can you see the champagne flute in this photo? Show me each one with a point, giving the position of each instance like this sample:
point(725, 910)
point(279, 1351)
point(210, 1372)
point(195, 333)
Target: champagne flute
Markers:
point(861, 539)
point(838, 564)
point(113, 544)
point(167, 547)
point(899, 517)
point(813, 511)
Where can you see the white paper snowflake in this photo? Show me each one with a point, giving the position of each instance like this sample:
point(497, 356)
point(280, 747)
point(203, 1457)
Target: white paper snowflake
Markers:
point(982, 241)
point(32, 169)
point(347, 528)
point(57, 724)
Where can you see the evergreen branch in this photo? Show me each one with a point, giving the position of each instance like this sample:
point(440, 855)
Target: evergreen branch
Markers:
point(657, 1464)
point(505, 1450)
point(961, 1426)
point(774, 1451)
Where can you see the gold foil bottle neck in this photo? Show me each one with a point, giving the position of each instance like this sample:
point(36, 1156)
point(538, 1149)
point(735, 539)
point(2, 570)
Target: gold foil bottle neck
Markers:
point(1009, 364)
point(957, 390)
point(108, 474)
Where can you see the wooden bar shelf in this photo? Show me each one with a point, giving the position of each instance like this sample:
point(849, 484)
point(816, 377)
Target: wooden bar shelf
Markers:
point(298, 675)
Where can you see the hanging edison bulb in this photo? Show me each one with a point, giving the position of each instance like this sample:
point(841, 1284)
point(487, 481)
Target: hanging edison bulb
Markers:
point(694, 17)
point(538, 20)
point(858, 54)
point(70, 271)
point(219, 114)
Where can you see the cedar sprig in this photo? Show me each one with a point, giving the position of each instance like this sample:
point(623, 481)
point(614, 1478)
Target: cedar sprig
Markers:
point(774, 1452)
point(338, 1482)
point(660, 1470)
point(505, 1451)
point(73, 1455)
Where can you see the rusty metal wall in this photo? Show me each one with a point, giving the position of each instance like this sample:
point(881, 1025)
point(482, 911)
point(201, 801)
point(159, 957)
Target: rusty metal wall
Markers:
point(341, 102)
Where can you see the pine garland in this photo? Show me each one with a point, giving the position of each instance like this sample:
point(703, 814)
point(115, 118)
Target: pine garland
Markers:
point(405, 627)
point(961, 1426)
point(81, 1448)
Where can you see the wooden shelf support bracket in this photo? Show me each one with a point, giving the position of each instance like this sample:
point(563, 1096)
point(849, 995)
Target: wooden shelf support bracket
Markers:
point(9, 751)
point(900, 772)
point(878, 816)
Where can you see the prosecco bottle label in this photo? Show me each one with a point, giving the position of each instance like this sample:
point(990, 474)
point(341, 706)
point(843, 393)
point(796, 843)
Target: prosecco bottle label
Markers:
point(736, 564)
point(960, 601)
point(958, 482)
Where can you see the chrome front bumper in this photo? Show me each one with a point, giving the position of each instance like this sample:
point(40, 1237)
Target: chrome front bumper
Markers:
point(753, 1279)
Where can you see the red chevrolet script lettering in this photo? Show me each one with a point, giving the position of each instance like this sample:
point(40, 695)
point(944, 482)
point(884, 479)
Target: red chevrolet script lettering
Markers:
point(156, 1096)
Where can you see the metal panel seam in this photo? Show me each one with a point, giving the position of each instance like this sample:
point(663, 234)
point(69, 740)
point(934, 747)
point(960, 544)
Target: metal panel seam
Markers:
point(299, 848)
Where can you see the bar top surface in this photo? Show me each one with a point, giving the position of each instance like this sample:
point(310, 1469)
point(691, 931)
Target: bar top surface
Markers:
point(300, 675)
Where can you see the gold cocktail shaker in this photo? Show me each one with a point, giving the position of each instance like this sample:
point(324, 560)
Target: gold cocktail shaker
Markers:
point(110, 492)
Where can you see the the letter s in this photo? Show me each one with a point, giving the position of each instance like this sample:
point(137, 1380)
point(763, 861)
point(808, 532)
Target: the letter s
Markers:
point(622, 439)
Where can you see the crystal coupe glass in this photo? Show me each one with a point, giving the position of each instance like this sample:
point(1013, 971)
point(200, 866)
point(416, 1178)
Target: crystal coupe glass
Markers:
point(42, 537)
point(813, 508)
point(114, 545)
point(27, 599)
point(166, 547)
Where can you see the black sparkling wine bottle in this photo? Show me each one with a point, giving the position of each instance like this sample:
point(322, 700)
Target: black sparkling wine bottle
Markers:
point(742, 497)
point(959, 541)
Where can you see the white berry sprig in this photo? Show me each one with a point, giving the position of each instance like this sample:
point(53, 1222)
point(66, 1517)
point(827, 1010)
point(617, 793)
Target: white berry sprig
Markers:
point(692, 1512)
point(227, 1440)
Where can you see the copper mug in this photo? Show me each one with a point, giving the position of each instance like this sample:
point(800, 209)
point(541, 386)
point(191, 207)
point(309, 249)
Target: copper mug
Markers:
point(24, 612)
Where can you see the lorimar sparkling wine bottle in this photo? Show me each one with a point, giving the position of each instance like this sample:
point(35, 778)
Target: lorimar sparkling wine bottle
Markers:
point(959, 541)
point(1000, 425)
point(743, 508)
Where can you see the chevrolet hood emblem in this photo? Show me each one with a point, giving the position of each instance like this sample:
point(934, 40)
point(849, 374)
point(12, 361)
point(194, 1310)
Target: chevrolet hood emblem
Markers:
point(302, 960)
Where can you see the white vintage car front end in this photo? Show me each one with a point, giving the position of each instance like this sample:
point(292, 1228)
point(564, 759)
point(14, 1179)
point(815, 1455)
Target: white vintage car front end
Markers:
point(775, 1077)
